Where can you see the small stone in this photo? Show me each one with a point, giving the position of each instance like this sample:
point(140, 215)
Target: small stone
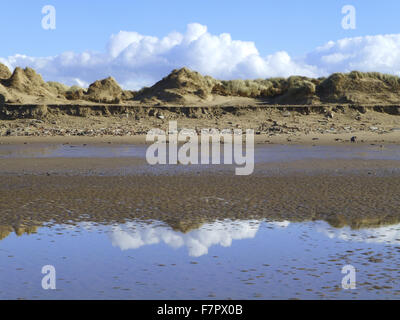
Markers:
point(329, 114)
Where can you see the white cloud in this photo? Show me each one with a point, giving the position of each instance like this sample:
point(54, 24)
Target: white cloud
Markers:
point(133, 235)
point(137, 60)
point(379, 53)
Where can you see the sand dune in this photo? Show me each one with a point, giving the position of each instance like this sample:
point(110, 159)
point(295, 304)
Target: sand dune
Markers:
point(187, 87)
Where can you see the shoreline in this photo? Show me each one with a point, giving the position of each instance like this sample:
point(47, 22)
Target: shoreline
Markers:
point(327, 139)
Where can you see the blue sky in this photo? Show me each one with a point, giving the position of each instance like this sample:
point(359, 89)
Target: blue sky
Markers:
point(296, 27)
point(291, 25)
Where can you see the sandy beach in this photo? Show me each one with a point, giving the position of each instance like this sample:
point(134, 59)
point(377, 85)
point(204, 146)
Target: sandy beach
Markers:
point(273, 125)
point(77, 190)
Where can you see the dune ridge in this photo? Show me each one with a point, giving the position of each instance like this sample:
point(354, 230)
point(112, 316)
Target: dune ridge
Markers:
point(186, 87)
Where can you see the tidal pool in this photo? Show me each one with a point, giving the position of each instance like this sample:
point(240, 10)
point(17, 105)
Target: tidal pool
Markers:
point(228, 259)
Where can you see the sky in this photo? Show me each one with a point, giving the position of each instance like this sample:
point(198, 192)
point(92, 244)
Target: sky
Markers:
point(138, 42)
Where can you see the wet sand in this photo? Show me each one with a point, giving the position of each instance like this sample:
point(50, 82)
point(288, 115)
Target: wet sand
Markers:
point(44, 183)
point(357, 201)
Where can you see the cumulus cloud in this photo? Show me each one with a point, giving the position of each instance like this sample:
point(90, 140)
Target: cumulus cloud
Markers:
point(134, 236)
point(371, 53)
point(137, 60)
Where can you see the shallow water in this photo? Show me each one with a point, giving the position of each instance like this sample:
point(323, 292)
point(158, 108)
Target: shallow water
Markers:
point(243, 259)
point(263, 153)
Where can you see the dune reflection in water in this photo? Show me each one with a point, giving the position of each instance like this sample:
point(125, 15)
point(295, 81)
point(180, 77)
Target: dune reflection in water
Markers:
point(384, 234)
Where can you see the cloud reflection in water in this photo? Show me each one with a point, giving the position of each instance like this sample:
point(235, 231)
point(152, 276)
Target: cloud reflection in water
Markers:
point(133, 235)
